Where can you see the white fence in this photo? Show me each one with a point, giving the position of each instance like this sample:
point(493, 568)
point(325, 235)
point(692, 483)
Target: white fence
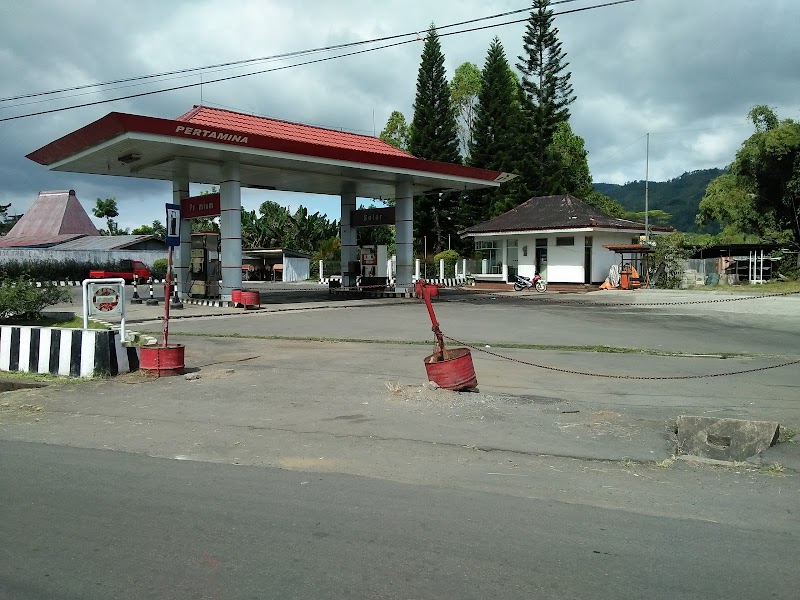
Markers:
point(90, 256)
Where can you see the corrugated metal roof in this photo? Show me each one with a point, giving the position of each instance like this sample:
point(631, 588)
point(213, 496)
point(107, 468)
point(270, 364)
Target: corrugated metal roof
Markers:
point(555, 212)
point(36, 242)
point(103, 242)
point(54, 214)
point(286, 130)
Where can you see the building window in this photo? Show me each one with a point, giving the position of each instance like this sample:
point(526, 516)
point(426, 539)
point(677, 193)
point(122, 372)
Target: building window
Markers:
point(541, 242)
point(565, 241)
point(489, 251)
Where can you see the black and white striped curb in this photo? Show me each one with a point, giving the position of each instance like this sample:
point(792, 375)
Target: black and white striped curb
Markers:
point(65, 352)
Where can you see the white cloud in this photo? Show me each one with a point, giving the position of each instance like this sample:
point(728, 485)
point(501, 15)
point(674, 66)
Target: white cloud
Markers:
point(648, 66)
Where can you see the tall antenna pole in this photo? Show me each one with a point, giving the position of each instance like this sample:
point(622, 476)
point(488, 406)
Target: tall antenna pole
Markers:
point(646, 193)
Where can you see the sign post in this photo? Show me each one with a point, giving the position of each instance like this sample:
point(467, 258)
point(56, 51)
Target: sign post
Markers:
point(173, 239)
point(104, 297)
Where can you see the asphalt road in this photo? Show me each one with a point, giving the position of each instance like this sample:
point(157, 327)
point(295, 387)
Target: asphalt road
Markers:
point(768, 326)
point(85, 524)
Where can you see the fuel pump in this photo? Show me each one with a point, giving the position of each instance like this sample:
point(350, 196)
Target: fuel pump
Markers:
point(369, 261)
point(205, 271)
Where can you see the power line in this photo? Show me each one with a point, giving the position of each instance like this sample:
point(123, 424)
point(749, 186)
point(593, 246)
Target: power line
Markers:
point(243, 62)
point(309, 62)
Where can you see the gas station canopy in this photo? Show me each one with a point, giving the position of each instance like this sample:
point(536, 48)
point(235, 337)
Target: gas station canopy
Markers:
point(272, 154)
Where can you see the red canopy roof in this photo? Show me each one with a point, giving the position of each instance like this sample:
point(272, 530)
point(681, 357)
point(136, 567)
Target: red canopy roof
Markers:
point(286, 130)
point(274, 154)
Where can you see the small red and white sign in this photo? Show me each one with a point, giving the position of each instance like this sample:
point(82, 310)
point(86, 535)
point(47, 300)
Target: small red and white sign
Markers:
point(105, 299)
point(207, 205)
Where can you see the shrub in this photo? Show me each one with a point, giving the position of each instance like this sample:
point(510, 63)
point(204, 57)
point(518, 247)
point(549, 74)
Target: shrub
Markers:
point(159, 268)
point(55, 270)
point(670, 254)
point(21, 299)
point(450, 259)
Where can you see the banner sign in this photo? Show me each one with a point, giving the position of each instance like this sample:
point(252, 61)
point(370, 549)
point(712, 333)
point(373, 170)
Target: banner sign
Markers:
point(173, 225)
point(372, 217)
point(207, 205)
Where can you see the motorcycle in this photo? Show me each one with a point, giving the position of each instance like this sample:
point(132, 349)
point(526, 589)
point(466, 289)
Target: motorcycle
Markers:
point(523, 283)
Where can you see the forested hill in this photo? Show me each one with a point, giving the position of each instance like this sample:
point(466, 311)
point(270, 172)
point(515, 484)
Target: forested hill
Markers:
point(679, 196)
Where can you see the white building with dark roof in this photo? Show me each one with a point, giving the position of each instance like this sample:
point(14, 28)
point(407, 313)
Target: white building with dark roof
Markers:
point(561, 237)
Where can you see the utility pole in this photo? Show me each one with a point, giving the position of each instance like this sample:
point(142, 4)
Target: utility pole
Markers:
point(646, 193)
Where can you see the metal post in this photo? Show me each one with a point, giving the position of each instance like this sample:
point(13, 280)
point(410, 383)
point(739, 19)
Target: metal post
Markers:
point(646, 194)
point(176, 301)
point(151, 301)
point(135, 299)
point(165, 329)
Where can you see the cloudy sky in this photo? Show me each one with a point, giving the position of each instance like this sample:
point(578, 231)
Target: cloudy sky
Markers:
point(687, 71)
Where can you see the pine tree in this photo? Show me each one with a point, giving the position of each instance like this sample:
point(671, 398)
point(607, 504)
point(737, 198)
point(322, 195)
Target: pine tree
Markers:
point(548, 92)
point(434, 136)
point(493, 146)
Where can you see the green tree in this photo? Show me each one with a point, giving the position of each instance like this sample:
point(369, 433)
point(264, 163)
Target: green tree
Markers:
point(107, 209)
point(464, 91)
point(434, 136)
point(157, 230)
point(6, 221)
point(761, 195)
point(548, 92)
point(494, 133)
point(396, 131)
point(734, 209)
point(602, 202)
point(567, 151)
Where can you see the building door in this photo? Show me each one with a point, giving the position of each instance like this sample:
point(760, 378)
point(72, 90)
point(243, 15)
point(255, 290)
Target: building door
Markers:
point(512, 258)
point(541, 257)
point(587, 260)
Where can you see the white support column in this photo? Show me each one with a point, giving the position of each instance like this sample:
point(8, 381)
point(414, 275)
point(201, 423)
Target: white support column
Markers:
point(441, 268)
point(347, 233)
point(321, 270)
point(404, 238)
point(417, 270)
point(183, 258)
point(464, 268)
point(504, 269)
point(230, 224)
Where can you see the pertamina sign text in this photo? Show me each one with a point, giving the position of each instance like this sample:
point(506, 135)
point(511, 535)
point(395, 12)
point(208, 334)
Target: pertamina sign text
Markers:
point(211, 134)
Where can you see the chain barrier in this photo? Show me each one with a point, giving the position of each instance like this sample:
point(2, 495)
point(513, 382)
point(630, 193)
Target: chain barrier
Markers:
point(610, 376)
point(683, 303)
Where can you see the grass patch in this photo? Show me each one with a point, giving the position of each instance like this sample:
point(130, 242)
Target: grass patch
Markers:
point(774, 469)
point(39, 377)
point(666, 463)
point(73, 323)
point(626, 463)
point(786, 434)
point(771, 287)
point(479, 345)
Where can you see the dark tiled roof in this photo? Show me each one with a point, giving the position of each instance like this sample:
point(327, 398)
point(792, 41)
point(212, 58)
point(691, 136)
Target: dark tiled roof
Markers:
point(555, 212)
